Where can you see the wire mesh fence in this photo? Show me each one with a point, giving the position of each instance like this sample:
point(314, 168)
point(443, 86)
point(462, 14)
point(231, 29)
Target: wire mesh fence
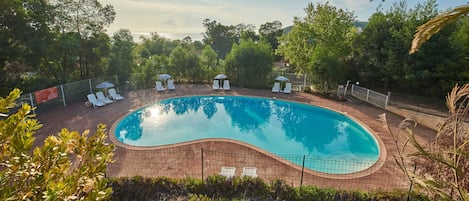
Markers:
point(294, 170)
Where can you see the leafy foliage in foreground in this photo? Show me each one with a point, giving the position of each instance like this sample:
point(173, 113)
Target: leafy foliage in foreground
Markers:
point(442, 166)
point(237, 188)
point(68, 166)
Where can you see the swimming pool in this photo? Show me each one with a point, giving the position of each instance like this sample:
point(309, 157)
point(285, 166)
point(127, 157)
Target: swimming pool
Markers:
point(333, 142)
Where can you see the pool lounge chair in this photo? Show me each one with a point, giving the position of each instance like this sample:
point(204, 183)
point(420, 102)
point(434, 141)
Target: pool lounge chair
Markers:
point(228, 171)
point(159, 86)
point(216, 85)
point(276, 87)
point(171, 85)
point(287, 88)
point(95, 102)
point(114, 95)
point(226, 85)
point(102, 98)
point(249, 171)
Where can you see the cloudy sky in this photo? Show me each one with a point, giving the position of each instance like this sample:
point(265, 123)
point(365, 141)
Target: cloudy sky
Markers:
point(176, 19)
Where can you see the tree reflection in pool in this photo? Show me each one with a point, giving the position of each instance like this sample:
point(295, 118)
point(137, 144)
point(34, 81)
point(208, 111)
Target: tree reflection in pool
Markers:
point(332, 142)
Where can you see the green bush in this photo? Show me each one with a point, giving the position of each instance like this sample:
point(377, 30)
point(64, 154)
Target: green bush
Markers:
point(240, 188)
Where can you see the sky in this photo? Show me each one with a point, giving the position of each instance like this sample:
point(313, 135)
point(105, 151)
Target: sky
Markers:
point(176, 19)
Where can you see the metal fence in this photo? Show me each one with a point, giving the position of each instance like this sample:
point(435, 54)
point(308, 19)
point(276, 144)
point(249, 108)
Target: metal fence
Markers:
point(66, 93)
point(201, 163)
point(370, 96)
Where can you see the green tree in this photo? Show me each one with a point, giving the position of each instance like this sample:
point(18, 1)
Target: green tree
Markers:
point(183, 63)
point(297, 46)
point(249, 64)
point(85, 18)
point(68, 166)
point(121, 59)
point(383, 48)
point(269, 32)
point(442, 167)
point(320, 43)
point(219, 37)
point(208, 62)
point(24, 38)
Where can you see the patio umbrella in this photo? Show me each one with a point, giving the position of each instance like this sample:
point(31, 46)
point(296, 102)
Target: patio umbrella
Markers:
point(221, 77)
point(164, 76)
point(281, 79)
point(104, 85)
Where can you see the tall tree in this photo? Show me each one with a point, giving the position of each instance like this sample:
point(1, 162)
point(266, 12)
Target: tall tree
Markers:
point(297, 46)
point(249, 64)
point(270, 31)
point(208, 62)
point(24, 35)
point(219, 37)
point(84, 17)
point(121, 60)
point(183, 63)
point(320, 43)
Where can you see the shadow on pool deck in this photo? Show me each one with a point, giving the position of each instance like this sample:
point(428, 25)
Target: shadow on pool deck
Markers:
point(180, 161)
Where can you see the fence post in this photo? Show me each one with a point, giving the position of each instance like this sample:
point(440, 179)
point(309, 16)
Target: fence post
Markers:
point(63, 94)
point(202, 162)
point(367, 94)
point(304, 83)
point(91, 88)
point(346, 88)
point(302, 171)
point(32, 102)
point(353, 87)
point(387, 99)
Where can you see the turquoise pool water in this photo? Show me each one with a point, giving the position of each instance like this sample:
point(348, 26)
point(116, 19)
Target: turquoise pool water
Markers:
point(331, 142)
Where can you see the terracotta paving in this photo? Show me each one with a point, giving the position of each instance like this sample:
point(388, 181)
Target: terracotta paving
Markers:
point(186, 159)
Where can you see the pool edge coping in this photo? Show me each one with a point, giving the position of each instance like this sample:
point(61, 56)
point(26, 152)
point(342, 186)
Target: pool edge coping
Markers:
point(368, 171)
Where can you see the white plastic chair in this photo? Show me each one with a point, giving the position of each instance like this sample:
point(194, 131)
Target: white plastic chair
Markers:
point(249, 171)
point(228, 171)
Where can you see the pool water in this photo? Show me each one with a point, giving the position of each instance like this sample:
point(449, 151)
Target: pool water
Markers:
point(331, 142)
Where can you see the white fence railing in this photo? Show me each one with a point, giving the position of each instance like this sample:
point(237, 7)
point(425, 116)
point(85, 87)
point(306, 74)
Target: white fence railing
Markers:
point(370, 96)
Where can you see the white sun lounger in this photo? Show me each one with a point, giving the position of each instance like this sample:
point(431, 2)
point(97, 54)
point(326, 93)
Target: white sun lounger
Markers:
point(159, 86)
point(102, 98)
point(287, 89)
point(216, 85)
point(171, 85)
point(95, 102)
point(226, 85)
point(276, 87)
point(114, 95)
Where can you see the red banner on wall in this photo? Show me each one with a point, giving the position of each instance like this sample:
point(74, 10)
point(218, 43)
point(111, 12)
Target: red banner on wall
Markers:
point(46, 94)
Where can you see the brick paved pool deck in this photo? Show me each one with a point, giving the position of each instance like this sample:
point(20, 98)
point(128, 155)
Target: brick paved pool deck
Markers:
point(182, 160)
